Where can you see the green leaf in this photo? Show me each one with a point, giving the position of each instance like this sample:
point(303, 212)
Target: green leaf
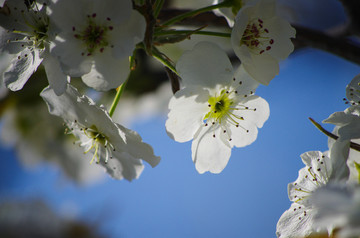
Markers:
point(357, 166)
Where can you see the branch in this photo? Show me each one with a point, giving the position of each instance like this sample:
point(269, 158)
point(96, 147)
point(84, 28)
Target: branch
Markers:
point(353, 145)
point(316, 39)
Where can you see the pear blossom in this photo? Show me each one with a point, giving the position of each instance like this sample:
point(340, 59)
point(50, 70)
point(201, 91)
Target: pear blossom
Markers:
point(338, 205)
point(94, 39)
point(297, 220)
point(217, 108)
point(34, 133)
point(321, 168)
point(118, 149)
point(348, 122)
point(24, 41)
point(260, 39)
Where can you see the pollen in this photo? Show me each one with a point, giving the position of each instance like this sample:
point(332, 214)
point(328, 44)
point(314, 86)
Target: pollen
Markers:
point(220, 106)
point(256, 37)
point(94, 36)
point(95, 142)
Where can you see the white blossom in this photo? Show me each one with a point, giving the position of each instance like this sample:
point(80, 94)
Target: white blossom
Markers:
point(115, 147)
point(338, 206)
point(217, 107)
point(297, 221)
point(34, 133)
point(95, 39)
point(260, 39)
point(348, 122)
point(320, 169)
point(24, 40)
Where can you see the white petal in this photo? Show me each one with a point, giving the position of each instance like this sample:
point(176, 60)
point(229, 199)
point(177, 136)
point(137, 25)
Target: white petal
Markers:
point(117, 11)
point(264, 9)
point(123, 165)
point(187, 111)
point(137, 148)
point(248, 84)
point(238, 30)
point(247, 131)
point(107, 72)
point(72, 106)
point(72, 54)
point(315, 174)
point(209, 153)
point(20, 70)
point(281, 32)
point(340, 118)
point(263, 68)
point(66, 14)
point(353, 90)
point(15, 15)
point(207, 65)
point(293, 223)
point(57, 79)
point(127, 35)
point(349, 122)
point(339, 153)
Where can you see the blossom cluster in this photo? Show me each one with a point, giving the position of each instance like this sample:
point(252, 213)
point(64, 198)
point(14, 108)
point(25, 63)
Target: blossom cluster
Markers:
point(216, 106)
point(214, 102)
point(93, 42)
point(325, 195)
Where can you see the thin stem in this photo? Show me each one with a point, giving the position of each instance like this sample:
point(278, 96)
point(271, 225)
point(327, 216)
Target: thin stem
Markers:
point(353, 145)
point(323, 130)
point(162, 59)
point(119, 92)
point(157, 7)
point(179, 32)
point(195, 12)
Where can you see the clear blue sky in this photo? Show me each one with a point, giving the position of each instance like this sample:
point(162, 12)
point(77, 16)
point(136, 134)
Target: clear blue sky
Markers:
point(173, 200)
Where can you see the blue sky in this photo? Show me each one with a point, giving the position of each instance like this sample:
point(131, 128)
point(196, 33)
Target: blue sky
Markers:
point(173, 200)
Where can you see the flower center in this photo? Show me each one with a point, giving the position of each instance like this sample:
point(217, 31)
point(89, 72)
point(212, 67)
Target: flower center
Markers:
point(220, 106)
point(94, 36)
point(36, 36)
point(254, 37)
point(225, 110)
point(97, 142)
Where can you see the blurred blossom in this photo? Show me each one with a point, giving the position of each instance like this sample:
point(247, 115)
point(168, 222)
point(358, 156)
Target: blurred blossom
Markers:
point(133, 109)
point(34, 219)
point(338, 206)
point(119, 150)
point(38, 137)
